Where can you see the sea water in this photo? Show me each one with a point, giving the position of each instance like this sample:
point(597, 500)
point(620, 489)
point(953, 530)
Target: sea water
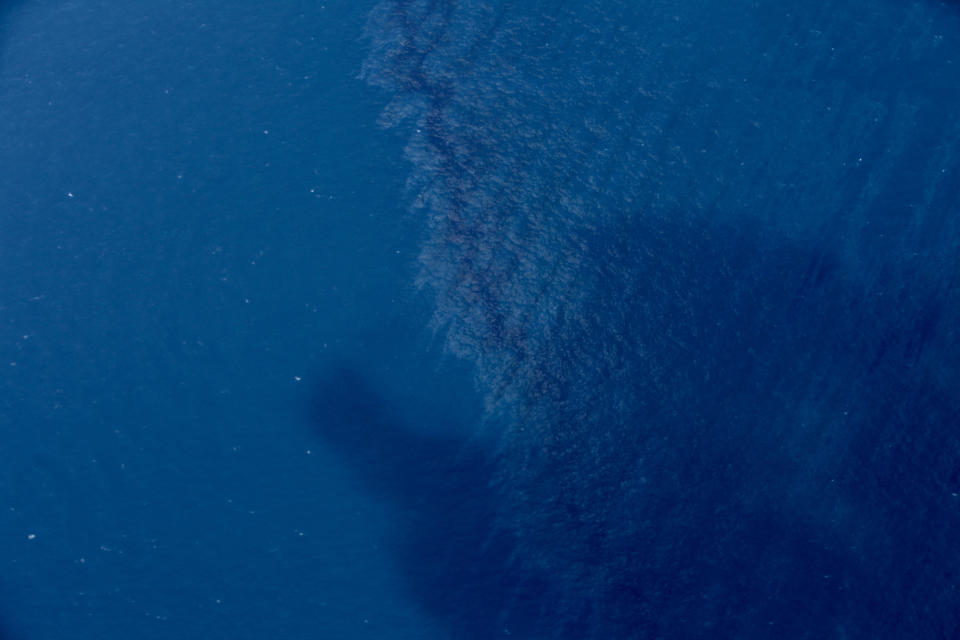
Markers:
point(704, 261)
point(428, 319)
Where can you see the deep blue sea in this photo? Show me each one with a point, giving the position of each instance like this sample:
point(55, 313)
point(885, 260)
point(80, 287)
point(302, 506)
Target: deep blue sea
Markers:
point(472, 319)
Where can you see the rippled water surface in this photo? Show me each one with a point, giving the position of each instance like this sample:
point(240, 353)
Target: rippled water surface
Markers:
point(475, 319)
point(704, 260)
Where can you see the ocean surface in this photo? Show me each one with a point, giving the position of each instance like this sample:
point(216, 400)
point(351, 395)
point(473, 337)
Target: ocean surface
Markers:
point(475, 319)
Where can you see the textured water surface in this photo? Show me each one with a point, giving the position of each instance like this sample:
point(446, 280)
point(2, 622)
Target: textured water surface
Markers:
point(476, 319)
point(704, 260)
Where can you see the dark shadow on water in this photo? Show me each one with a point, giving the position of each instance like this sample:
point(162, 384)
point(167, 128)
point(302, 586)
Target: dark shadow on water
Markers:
point(721, 424)
point(739, 520)
point(458, 567)
point(475, 578)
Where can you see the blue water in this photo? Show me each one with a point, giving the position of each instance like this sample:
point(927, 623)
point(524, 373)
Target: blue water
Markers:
point(430, 319)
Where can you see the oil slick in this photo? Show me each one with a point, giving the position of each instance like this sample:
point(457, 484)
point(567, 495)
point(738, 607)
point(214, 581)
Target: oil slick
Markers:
point(709, 291)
